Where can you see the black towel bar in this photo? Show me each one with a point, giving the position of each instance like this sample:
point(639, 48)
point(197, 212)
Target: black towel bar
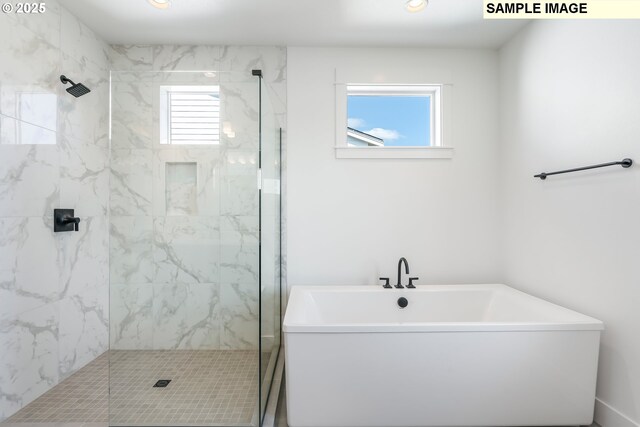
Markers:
point(625, 163)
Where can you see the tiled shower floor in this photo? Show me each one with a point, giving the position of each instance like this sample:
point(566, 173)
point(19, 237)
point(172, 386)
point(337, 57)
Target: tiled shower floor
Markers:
point(208, 387)
point(83, 397)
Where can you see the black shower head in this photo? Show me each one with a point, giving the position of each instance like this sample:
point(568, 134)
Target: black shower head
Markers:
point(76, 89)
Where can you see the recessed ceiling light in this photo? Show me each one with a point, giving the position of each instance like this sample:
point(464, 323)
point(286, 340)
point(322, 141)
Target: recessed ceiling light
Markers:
point(416, 5)
point(160, 4)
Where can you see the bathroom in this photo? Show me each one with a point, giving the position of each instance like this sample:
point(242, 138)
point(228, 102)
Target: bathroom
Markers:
point(190, 190)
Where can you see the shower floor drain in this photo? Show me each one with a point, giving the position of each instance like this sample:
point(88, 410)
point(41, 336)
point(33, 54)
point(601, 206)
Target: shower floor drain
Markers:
point(162, 383)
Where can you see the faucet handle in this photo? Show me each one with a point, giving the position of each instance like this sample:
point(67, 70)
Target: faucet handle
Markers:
point(63, 220)
point(386, 283)
point(411, 285)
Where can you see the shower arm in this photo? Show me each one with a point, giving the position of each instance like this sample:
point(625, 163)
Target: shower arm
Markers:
point(64, 79)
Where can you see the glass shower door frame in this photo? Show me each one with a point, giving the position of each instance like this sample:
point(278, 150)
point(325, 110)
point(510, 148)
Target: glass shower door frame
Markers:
point(267, 379)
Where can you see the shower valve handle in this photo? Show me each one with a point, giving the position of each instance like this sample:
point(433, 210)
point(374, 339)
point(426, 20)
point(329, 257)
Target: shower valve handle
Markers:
point(72, 220)
point(64, 220)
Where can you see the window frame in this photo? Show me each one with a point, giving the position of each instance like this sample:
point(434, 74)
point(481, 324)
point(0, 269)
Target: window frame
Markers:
point(438, 93)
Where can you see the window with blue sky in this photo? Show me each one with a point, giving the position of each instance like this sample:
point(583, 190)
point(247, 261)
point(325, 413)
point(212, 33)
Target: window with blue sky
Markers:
point(400, 121)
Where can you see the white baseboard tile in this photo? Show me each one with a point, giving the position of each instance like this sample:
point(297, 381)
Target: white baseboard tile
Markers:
point(607, 416)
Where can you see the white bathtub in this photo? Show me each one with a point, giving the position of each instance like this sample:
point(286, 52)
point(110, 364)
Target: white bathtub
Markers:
point(457, 355)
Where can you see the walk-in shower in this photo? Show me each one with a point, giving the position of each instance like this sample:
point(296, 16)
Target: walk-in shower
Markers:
point(194, 247)
point(194, 257)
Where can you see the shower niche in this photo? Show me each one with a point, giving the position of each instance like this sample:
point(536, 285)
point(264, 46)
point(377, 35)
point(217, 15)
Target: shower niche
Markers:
point(181, 188)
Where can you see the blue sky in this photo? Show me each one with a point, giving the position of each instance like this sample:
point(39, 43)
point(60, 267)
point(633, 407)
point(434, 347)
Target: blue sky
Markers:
point(399, 120)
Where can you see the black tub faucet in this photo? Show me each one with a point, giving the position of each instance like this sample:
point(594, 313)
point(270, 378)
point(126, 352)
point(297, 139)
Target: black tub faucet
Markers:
point(406, 270)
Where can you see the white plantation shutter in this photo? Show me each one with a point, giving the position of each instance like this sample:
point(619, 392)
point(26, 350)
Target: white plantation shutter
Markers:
point(192, 114)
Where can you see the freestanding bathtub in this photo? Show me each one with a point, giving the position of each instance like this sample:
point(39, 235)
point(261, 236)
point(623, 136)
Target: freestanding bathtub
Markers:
point(457, 355)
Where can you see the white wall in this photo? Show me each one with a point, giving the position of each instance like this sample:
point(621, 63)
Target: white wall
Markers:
point(349, 221)
point(570, 96)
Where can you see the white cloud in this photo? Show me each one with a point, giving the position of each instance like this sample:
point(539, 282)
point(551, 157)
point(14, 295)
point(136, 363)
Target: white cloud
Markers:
point(386, 134)
point(355, 123)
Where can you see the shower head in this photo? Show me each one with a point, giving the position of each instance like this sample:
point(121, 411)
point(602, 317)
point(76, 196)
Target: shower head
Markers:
point(76, 89)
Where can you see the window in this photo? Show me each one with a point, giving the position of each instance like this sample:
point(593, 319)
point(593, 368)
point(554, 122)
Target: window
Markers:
point(189, 114)
point(389, 120)
point(396, 116)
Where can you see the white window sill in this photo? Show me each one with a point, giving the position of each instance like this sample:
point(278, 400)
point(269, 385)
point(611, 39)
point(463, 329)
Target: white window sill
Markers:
point(394, 152)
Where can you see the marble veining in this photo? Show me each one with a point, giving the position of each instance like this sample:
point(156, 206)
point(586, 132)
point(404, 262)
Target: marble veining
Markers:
point(186, 316)
point(29, 180)
point(131, 117)
point(131, 316)
point(239, 106)
point(234, 62)
point(32, 73)
point(239, 257)
point(14, 131)
point(84, 177)
point(204, 254)
point(78, 41)
point(84, 295)
point(239, 194)
point(30, 361)
point(83, 329)
point(277, 94)
point(239, 316)
point(131, 254)
point(44, 25)
point(131, 181)
point(54, 152)
point(130, 57)
point(177, 57)
point(270, 59)
point(29, 260)
point(186, 249)
point(181, 187)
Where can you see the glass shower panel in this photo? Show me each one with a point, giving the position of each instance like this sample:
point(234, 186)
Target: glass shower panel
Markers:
point(184, 244)
point(270, 148)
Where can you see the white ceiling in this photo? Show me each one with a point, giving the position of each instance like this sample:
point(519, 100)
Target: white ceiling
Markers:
point(444, 23)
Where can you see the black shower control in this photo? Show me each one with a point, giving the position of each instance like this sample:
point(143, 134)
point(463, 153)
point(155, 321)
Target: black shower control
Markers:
point(403, 302)
point(63, 220)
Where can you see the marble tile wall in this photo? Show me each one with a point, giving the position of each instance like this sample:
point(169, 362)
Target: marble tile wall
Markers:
point(54, 152)
point(186, 277)
point(178, 280)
